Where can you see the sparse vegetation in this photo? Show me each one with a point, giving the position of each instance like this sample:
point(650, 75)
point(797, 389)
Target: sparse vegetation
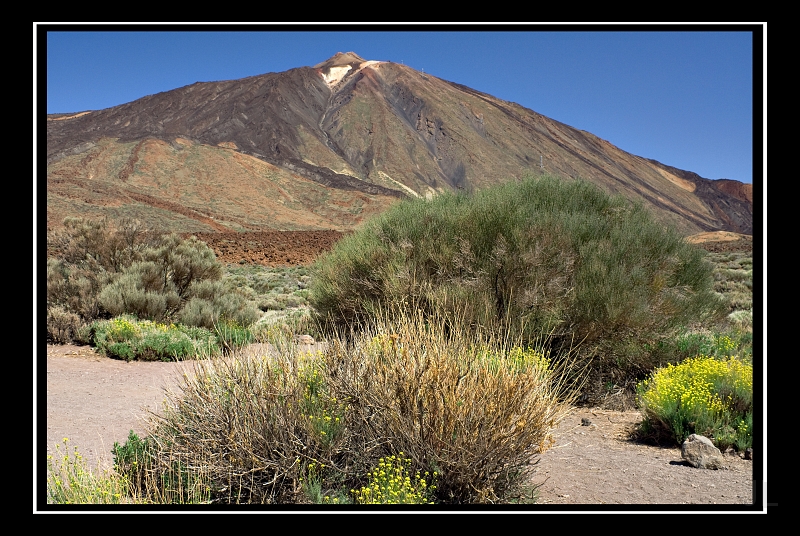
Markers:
point(315, 428)
point(177, 482)
point(100, 270)
point(71, 481)
point(281, 293)
point(733, 277)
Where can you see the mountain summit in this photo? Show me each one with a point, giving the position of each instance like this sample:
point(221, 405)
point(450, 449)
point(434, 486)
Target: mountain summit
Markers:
point(340, 59)
point(327, 146)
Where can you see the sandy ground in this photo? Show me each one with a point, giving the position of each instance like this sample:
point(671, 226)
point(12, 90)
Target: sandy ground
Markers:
point(94, 401)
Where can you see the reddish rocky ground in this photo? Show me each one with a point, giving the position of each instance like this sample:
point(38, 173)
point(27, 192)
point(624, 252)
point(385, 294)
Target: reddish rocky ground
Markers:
point(270, 248)
point(293, 248)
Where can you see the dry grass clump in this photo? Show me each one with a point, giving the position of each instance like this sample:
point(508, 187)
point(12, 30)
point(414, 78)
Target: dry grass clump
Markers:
point(475, 411)
point(240, 419)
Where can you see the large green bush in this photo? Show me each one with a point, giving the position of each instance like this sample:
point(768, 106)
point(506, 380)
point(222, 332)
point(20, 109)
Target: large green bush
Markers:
point(541, 255)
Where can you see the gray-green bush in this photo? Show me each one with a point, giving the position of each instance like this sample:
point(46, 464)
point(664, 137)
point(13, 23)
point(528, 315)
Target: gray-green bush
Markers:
point(541, 255)
point(102, 269)
point(62, 325)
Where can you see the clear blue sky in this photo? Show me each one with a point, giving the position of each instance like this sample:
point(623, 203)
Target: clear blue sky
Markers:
point(683, 96)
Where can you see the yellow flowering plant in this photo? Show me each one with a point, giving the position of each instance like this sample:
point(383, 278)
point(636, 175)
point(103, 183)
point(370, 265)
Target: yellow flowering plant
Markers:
point(703, 395)
point(123, 328)
point(516, 360)
point(392, 482)
point(126, 337)
point(322, 411)
point(70, 481)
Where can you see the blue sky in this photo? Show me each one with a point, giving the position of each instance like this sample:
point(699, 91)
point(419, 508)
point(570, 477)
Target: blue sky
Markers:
point(682, 95)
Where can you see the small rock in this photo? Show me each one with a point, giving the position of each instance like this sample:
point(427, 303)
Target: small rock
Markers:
point(304, 339)
point(700, 452)
point(748, 454)
point(585, 422)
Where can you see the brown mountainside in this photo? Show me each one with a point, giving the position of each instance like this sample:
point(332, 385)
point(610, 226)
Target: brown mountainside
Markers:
point(327, 146)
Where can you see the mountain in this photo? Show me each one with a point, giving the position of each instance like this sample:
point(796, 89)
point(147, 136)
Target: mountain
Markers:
point(326, 147)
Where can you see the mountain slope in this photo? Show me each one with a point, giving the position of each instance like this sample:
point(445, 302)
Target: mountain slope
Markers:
point(328, 146)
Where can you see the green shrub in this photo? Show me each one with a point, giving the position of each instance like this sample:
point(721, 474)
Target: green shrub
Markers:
point(174, 483)
point(735, 275)
point(206, 342)
point(140, 291)
point(127, 338)
point(212, 302)
point(119, 350)
point(73, 289)
point(710, 344)
point(705, 395)
point(85, 256)
point(170, 273)
point(721, 344)
point(105, 243)
point(536, 256)
point(132, 459)
point(171, 345)
point(232, 336)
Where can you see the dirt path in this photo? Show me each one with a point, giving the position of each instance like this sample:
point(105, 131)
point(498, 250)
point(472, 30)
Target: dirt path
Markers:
point(94, 401)
point(598, 464)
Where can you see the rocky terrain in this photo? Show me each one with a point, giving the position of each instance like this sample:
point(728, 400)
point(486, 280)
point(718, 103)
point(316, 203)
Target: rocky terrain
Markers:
point(293, 248)
point(270, 248)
